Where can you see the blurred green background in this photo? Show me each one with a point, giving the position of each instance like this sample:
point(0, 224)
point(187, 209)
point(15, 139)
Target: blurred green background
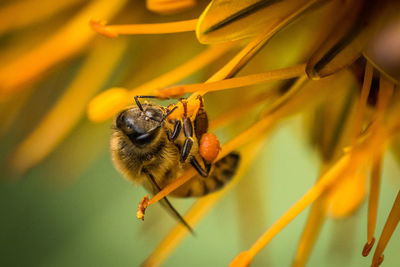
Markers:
point(47, 220)
point(75, 209)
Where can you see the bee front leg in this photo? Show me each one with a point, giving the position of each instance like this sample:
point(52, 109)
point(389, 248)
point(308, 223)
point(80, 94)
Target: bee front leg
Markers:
point(175, 132)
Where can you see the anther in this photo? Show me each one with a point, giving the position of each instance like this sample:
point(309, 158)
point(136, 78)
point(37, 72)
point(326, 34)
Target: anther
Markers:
point(367, 247)
point(142, 207)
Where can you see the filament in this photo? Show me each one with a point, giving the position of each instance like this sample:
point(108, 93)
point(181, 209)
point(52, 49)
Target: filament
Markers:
point(241, 109)
point(327, 180)
point(201, 207)
point(155, 28)
point(251, 49)
point(387, 232)
point(362, 102)
point(311, 230)
point(203, 88)
point(375, 182)
point(259, 127)
point(344, 167)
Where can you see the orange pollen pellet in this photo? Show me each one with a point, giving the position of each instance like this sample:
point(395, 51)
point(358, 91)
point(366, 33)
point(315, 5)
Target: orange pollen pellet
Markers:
point(209, 147)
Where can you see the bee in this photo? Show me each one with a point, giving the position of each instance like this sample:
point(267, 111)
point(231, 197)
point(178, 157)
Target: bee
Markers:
point(152, 150)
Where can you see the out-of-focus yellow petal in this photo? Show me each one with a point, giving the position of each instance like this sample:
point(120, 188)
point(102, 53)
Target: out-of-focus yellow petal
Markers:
point(327, 180)
point(65, 43)
point(20, 13)
point(224, 20)
point(347, 195)
point(344, 167)
point(71, 106)
point(169, 6)
point(358, 21)
point(108, 103)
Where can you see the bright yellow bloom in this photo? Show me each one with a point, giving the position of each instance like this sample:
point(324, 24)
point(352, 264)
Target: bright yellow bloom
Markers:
point(334, 63)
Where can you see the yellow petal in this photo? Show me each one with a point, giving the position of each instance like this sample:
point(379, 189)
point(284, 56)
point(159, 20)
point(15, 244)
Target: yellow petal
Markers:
point(224, 20)
point(17, 14)
point(347, 195)
point(358, 21)
point(68, 41)
point(66, 113)
point(108, 103)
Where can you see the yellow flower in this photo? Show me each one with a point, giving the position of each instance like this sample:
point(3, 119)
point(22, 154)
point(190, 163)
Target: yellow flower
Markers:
point(336, 63)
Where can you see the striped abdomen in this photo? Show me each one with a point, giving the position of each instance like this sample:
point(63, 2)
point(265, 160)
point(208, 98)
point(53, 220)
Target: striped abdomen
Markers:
point(221, 173)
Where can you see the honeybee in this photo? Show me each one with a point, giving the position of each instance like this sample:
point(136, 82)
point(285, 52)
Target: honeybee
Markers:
point(152, 150)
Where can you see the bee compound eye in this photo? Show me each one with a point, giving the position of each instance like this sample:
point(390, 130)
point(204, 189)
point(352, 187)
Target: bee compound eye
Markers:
point(137, 128)
point(125, 123)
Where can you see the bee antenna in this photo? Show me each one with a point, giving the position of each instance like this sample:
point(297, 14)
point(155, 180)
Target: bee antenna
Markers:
point(142, 96)
point(169, 113)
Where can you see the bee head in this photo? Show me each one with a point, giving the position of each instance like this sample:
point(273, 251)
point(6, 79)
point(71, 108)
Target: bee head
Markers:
point(141, 127)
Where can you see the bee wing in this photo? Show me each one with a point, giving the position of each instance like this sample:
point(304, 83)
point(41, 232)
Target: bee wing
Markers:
point(227, 20)
point(154, 188)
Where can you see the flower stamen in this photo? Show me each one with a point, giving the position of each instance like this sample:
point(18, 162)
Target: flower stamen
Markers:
point(346, 165)
point(154, 28)
point(362, 102)
point(327, 180)
point(252, 79)
point(375, 182)
point(368, 144)
point(201, 207)
point(387, 232)
point(282, 107)
point(242, 109)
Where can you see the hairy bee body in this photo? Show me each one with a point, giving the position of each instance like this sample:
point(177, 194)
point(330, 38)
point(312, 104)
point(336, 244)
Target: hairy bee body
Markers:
point(156, 161)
